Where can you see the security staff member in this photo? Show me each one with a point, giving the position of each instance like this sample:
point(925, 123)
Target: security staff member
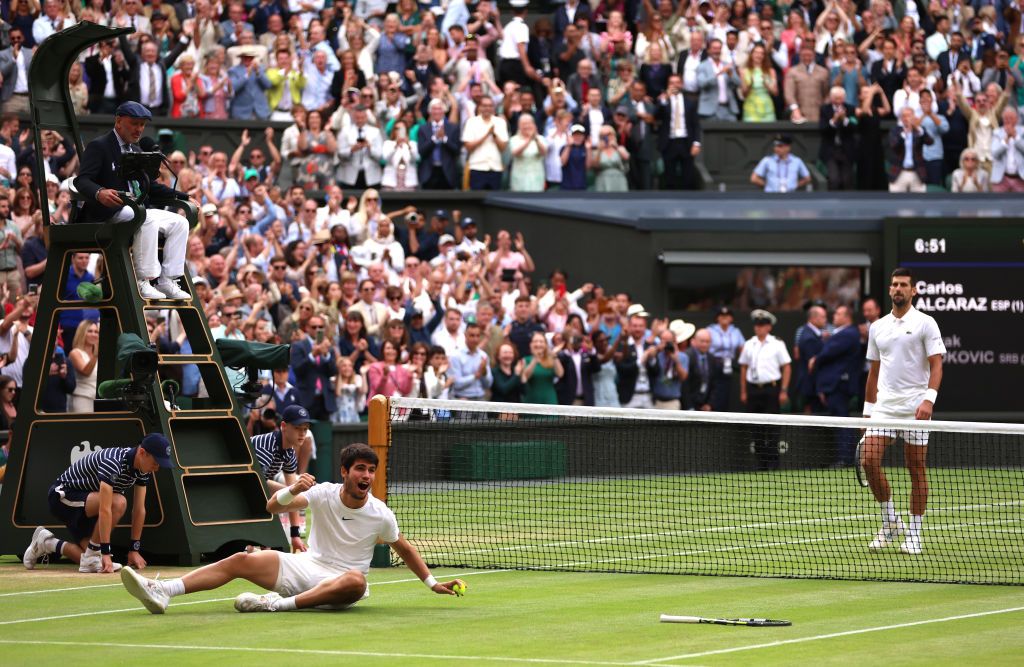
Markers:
point(514, 64)
point(765, 367)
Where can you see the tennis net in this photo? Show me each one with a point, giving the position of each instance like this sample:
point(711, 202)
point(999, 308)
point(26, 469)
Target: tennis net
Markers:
point(489, 485)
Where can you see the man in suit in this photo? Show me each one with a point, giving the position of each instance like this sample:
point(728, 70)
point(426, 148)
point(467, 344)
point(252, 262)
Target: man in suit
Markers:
point(717, 82)
point(1008, 154)
point(14, 63)
point(643, 144)
point(99, 181)
point(314, 363)
point(689, 61)
point(593, 114)
point(108, 75)
point(889, 72)
point(359, 150)
point(838, 148)
point(576, 386)
point(836, 368)
point(439, 147)
point(566, 15)
point(638, 365)
point(147, 75)
point(582, 81)
point(235, 24)
point(809, 339)
point(907, 170)
point(678, 136)
point(705, 373)
point(375, 314)
point(250, 84)
point(805, 87)
point(948, 59)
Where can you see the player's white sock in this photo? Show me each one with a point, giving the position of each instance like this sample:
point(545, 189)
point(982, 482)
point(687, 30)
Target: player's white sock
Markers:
point(888, 512)
point(915, 524)
point(285, 604)
point(173, 587)
point(51, 544)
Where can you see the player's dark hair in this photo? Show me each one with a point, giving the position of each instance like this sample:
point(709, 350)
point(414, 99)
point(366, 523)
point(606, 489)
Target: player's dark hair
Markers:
point(902, 272)
point(357, 451)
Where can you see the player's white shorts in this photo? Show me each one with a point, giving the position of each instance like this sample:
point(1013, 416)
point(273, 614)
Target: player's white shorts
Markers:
point(298, 573)
point(911, 437)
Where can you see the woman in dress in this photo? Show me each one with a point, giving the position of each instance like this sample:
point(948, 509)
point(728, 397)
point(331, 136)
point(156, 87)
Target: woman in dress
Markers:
point(874, 105)
point(79, 91)
point(606, 393)
point(609, 161)
point(350, 393)
point(507, 386)
point(538, 371)
point(318, 146)
point(758, 87)
point(575, 157)
point(214, 90)
point(528, 151)
point(83, 356)
point(401, 158)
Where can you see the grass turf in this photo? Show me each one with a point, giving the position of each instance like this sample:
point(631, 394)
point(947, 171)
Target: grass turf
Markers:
point(510, 618)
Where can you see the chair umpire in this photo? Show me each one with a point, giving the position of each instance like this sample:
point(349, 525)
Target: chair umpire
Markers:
point(99, 182)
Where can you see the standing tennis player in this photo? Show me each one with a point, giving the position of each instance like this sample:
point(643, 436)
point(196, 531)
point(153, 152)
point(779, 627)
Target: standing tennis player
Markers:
point(905, 352)
point(331, 574)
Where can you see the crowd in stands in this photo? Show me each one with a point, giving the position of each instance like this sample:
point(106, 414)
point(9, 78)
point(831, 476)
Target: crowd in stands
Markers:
point(608, 95)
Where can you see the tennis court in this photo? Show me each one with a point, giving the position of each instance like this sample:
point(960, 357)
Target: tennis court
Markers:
point(53, 616)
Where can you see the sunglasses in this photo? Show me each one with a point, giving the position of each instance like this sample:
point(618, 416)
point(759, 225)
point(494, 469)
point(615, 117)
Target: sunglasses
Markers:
point(316, 327)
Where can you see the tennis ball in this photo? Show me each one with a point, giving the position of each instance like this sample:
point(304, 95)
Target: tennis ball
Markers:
point(459, 589)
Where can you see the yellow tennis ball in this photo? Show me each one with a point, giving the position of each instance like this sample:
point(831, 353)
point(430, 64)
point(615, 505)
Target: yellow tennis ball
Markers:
point(459, 589)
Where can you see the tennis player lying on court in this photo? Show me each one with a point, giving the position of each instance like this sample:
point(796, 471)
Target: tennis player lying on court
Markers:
point(332, 574)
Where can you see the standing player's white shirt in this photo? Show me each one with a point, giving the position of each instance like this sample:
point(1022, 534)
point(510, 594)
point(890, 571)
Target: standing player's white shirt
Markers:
point(343, 538)
point(903, 347)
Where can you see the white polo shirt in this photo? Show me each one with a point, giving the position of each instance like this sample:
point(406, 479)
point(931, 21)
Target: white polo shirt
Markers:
point(903, 347)
point(764, 361)
point(515, 33)
point(487, 156)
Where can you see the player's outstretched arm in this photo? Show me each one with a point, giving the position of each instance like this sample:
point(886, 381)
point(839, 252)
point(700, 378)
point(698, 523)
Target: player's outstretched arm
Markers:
point(412, 559)
point(290, 498)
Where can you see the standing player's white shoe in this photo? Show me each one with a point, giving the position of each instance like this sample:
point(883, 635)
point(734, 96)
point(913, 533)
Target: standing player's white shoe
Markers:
point(253, 602)
point(887, 535)
point(36, 548)
point(147, 591)
point(912, 545)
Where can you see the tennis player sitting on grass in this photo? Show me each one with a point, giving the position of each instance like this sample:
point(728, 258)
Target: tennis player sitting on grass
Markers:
point(331, 574)
point(905, 351)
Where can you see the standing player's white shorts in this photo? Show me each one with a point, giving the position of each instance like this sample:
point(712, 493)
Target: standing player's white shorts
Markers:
point(298, 573)
point(910, 436)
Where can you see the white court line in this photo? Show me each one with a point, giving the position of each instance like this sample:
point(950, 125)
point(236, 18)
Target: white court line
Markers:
point(330, 652)
point(181, 604)
point(833, 635)
point(58, 590)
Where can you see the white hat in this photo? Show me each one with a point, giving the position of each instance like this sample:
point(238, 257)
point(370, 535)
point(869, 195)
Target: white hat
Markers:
point(52, 178)
point(519, 4)
point(682, 330)
point(637, 310)
point(577, 128)
point(209, 209)
point(445, 238)
point(761, 316)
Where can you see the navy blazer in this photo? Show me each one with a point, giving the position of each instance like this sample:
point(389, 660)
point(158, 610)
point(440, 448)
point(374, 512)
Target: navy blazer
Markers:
point(692, 120)
point(100, 162)
point(450, 149)
point(809, 346)
point(838, 365)
point(307, 372)
point(565, 388)
point(628, 368)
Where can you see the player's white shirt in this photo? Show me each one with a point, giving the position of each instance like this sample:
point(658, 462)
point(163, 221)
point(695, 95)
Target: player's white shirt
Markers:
point(903, 347)
point(343, 538)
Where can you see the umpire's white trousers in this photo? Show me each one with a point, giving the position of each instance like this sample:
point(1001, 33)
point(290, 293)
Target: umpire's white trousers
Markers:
point(174, 229)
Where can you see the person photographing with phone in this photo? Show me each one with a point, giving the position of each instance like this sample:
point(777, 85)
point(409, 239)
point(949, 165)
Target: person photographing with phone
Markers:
point(313, 359)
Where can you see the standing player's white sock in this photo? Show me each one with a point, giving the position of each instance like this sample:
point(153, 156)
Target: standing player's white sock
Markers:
point(173, 587)
point(915, 525)
point(888, 512)
point(285, 604)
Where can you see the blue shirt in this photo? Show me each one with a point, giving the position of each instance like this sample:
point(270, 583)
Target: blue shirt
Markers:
point(781, 175)
point(724, 344)
point(933, 151)
point(274, 458)
point(391, 53)
point(463, 366)
point(72, 317)
point(113, 465)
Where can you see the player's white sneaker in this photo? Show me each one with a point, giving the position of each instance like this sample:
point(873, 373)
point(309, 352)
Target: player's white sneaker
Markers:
point(171, 289)
point(887, 535)
point(252, 602)
point(911, 545)
point(147, 291)
point(36, 548)
point(94, 564)
point(147, 591)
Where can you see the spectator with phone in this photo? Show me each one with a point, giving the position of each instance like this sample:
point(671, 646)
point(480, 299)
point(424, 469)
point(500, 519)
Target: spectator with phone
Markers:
point(314, 362)
point(59, 384)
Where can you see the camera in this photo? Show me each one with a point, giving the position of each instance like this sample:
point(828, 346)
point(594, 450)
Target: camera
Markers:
point(508, 275)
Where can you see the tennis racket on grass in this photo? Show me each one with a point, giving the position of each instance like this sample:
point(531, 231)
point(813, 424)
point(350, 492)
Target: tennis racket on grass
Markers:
point(858, 465)
point(758, 622)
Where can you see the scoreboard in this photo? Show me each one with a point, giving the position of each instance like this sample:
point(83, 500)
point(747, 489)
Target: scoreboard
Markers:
point(969, 276)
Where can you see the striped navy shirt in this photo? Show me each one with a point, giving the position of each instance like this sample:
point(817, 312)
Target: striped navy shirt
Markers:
point(113, 465)
point(272, 456)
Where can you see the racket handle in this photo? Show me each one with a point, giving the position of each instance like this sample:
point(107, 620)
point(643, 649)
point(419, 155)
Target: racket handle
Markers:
point(667, 618)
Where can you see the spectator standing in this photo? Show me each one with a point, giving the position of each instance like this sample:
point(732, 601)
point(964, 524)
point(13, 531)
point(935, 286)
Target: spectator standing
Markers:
point(53, 19)
point(84, 357)
point(838, 150)
point(70, 318)
point(523, 326)
point(286, 87)
point(1008, 154)
point(906, 157)
point(439, 147)
point(185, 89)
point(718, 82)
point(471, 368)
point(538, 371)
point(485, 137)
point(705, 372)
point(575, 158)
point(557, 137)
point(679, 136)
point(805, 87)
point(318, 149)
point(982, 121)
point(528, 155)
point(758, 87)
point(871, 173)
point(610, 162)
point(935, 125)
point(354, 342)
point(216, 89)
point(107, 72)
point(809, 339)
point(360, 147)
point(782, 172)
point(401, 161)
point(836, 371)
point(15, 61)
point(670, 375)
point(604, 377)
point(451, 336)
point(765, 367)
point(506, 386)
point(514, 64)
point(388, 377)
point(314, 363)
point(579, 363)
point(249, 84)
point(636, 362)
point(889, 72)
point(970, 177)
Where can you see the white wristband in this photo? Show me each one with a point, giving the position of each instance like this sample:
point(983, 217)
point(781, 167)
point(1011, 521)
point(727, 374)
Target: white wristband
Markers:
point(285, 497)
point(430, 581)
point(930, 395)
point(868, 408)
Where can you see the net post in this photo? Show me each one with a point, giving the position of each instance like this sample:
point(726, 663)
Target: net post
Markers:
point(379, 439)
